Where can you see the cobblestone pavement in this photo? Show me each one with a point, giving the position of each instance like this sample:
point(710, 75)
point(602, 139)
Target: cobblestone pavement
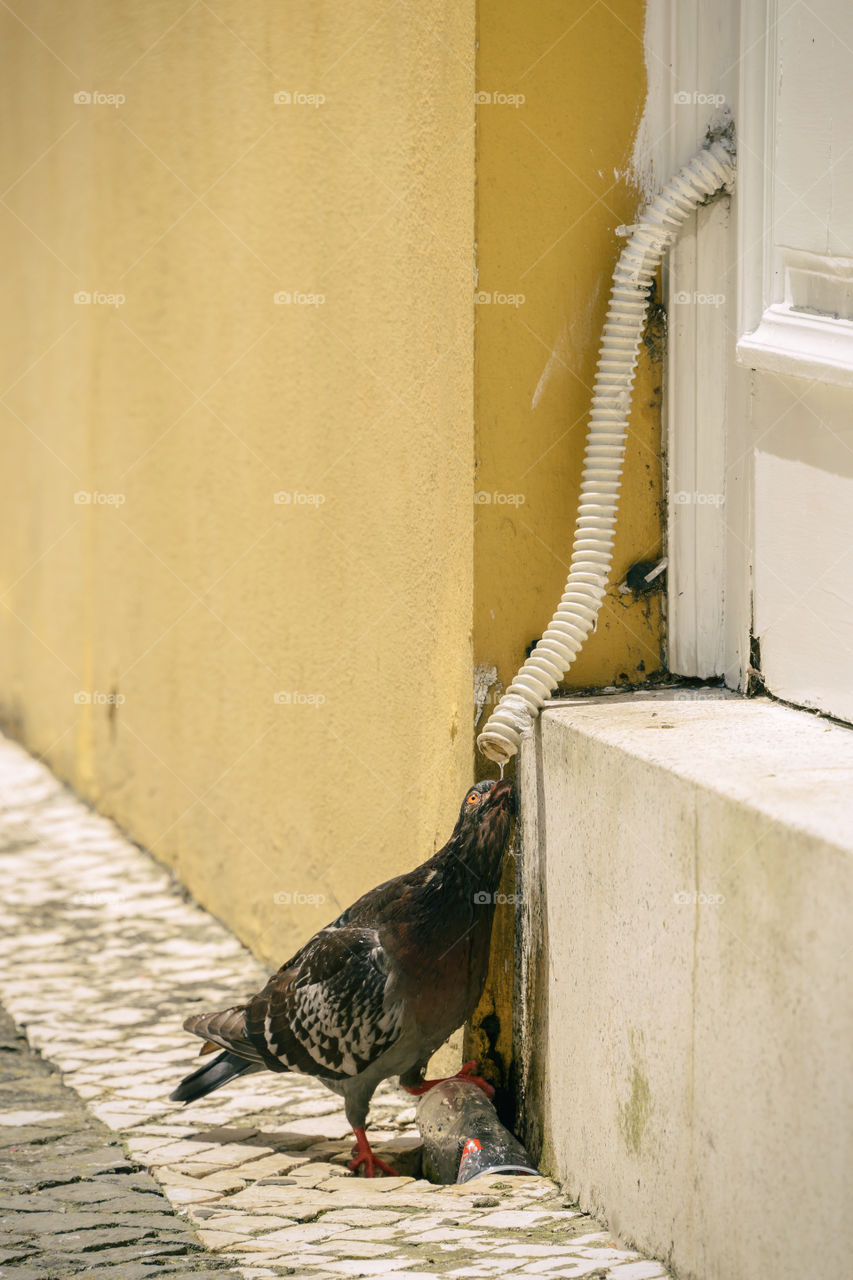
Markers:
point(71, 1202)
point(101, 957)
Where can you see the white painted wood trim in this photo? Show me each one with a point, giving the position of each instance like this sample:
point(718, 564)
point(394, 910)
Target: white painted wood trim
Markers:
point(698, 307)
point(756, 131)
point(809, 332)
point(776, 283)
point(696, 445)
point(802, 344)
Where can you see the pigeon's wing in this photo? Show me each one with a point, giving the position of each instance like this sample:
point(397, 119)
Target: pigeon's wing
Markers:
point(325, 1013)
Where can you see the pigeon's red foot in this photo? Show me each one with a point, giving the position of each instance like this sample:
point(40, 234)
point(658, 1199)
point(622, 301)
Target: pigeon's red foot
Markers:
point(466, 1073)
point(363, 1155)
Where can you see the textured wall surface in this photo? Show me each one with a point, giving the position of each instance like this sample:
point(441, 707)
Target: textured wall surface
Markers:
point(148, 624)
point(562, 87)
point(553, 184)
point(684, 976)
point(146, 630)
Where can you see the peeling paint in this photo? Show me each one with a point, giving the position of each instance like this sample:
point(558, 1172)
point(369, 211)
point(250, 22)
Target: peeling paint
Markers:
point(484, 678)
point(641, 167)
point(559, 356)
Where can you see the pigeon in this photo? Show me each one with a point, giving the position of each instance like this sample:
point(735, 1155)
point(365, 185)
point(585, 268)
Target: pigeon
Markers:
point(376, 992)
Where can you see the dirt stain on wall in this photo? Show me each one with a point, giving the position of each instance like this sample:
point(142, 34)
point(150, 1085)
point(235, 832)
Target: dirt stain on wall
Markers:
point(634, 1114)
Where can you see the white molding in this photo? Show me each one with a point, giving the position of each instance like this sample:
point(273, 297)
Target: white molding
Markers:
point(696, 292)
point(795, 313)
point(756, 128)
point(802, 344)
point(818, 283)
point(810, 332)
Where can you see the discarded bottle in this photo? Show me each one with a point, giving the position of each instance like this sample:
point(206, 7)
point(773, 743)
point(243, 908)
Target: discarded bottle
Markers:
point(463, 1137)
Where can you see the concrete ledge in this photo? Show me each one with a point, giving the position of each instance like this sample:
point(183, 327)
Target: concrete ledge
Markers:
point(684, 1002)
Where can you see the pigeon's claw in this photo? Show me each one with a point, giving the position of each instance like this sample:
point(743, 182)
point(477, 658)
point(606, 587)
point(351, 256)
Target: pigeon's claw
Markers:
point(364, 1155)
point(465, 1073)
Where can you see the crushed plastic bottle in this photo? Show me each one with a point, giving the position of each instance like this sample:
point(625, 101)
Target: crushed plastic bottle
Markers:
point(463, 1137)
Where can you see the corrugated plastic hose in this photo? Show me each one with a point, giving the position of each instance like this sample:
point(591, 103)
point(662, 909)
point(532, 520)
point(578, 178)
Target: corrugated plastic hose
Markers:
point(711, 169)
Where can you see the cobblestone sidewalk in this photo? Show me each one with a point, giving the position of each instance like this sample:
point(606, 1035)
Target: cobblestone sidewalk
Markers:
point(71, 1202)
point(101, 957)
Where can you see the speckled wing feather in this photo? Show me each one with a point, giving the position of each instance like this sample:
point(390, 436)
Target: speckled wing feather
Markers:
point(325, 1012)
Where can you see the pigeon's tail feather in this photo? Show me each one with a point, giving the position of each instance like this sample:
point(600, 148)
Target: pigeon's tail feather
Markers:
point(225, 1067)
point(226, 1029)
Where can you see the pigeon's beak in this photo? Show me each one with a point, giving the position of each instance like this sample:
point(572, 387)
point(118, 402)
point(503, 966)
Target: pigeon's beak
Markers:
point(502, 796)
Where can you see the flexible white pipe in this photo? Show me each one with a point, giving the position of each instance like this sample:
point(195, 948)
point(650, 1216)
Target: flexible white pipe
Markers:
point(710, 169)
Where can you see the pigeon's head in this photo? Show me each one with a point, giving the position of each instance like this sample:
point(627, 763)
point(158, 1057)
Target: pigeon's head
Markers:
point(487, 807)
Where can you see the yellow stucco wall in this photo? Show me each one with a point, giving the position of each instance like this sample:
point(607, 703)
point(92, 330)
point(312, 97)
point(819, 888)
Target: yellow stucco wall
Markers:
point(183, 605)
point(198, 598)
point(567, 85)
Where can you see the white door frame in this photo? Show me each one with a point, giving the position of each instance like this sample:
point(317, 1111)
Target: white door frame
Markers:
point(693, 66)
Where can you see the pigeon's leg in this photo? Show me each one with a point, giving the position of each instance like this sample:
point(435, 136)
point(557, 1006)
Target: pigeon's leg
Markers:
point(364, 1155)
point(466, 1073)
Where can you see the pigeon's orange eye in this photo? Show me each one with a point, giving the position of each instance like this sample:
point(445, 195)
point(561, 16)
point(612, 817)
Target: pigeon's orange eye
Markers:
point(473, 797)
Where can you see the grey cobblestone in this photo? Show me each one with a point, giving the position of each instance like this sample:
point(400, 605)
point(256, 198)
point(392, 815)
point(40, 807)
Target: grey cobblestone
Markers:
point(101, 956)
point(71, 1202)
